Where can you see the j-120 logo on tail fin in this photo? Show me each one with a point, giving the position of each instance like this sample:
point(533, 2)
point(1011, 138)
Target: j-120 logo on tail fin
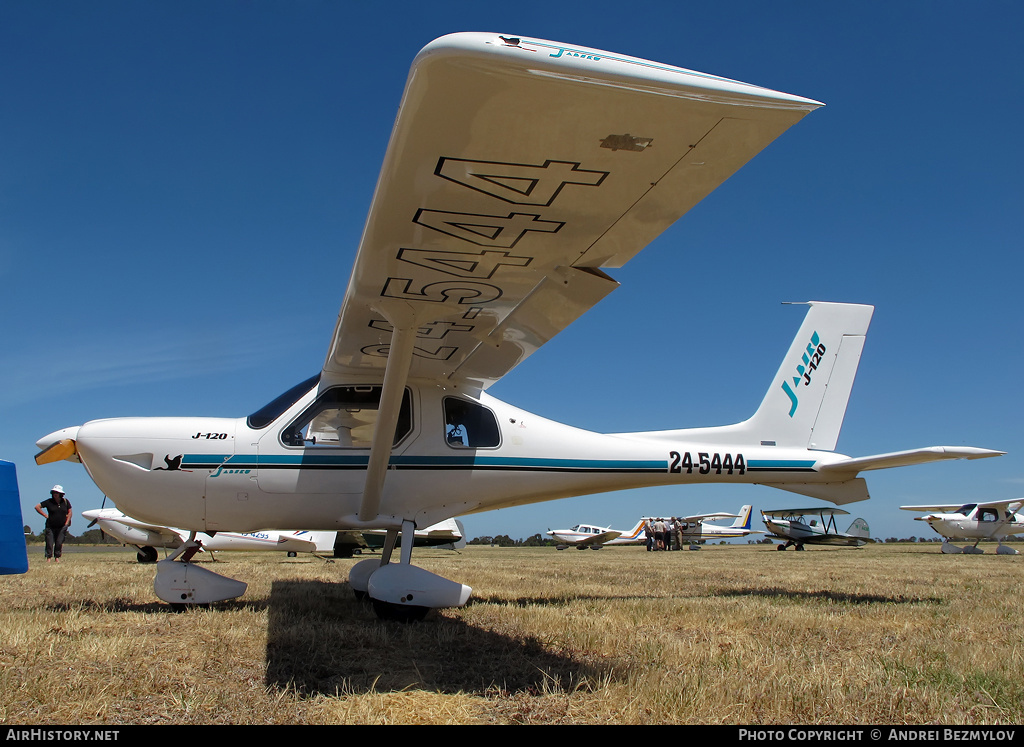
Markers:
point(811, 361)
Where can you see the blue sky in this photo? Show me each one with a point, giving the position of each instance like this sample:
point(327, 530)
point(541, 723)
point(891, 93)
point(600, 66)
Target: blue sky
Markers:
point(183, 186)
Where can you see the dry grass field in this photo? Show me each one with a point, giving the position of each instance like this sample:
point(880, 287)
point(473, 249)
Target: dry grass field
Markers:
point(892, 634)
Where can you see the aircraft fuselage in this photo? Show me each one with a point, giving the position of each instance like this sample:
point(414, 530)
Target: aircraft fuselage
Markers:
point(221, 474)
point(959, 526)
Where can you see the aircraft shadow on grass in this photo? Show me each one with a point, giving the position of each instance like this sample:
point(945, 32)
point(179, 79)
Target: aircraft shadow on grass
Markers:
point(320, 640)
point(827, 595)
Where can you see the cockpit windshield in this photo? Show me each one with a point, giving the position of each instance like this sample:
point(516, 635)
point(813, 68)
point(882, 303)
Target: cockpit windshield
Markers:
point(273, 410)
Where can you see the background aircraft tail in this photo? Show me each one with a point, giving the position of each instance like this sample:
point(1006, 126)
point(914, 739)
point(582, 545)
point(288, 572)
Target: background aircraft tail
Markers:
point(859, 528)
point(806, 402)
point(743, 520)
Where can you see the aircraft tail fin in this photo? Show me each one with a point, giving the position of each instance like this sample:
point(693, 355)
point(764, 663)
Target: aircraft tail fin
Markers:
point(859, 528)
point(743, 520)
point(324, 541)
point(636, 533)
point(807, 400)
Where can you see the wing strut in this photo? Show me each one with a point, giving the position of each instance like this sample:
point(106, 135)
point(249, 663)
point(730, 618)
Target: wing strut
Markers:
point(400, 355)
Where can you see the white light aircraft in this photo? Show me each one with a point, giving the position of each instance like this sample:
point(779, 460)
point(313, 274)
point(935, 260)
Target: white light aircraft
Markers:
point(992, 520)
point(794, 526)
point(697, 528)
point(147, 537)
point(519, 171)
point(583, 536)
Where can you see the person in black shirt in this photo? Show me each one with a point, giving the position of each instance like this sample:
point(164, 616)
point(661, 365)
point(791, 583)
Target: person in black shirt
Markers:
point(58, 519)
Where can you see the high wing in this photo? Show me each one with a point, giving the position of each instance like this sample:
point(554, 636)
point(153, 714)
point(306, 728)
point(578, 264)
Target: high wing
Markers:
point(517, 171)
point(782, 513)
point(1013, 504)
point(708, 517)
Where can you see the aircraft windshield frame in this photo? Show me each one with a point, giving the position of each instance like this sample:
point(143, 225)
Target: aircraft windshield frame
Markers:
point(277, 407)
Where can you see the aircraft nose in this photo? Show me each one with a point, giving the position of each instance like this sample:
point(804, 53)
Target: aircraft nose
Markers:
point(47, 441)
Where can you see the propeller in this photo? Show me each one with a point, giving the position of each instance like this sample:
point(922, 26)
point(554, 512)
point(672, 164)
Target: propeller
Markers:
point(93, 523)
point(63, 449)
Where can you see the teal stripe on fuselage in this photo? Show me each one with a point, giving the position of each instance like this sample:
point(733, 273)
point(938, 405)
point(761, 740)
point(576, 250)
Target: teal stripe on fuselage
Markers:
point(359, 461)
point(336, 461)
point(780, 465)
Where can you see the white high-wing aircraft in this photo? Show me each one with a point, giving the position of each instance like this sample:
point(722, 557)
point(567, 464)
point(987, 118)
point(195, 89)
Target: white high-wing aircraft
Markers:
point(519, 171)
point(696, 528)
point(147, 537)
point(794, 526)
point(991, 520)
point(583, 536)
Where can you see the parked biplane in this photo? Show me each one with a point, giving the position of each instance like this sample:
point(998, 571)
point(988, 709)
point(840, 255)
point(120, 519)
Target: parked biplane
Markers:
point(518, 173)
point(798, 527)
point(990, 520)
point(698, 528)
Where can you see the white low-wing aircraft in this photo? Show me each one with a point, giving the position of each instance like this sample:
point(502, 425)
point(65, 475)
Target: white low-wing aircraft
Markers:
point(146, 537)
point(595, 537)
point(991, 520)
point(795, 527)
point(518, 172)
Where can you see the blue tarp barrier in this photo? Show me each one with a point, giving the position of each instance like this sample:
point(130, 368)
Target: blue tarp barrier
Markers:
point(13, 556)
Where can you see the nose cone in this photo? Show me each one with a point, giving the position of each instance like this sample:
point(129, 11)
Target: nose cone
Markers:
point(58, 445)
point(64, 433)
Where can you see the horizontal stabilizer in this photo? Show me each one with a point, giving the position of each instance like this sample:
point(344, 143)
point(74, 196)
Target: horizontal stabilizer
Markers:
point(905, 458)
point(848, 491)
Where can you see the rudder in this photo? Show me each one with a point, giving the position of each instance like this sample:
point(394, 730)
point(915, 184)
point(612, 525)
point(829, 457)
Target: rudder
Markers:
point(807, 400)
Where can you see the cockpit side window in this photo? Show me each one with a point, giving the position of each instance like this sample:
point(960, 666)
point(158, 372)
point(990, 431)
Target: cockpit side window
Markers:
point(345, 416)
point(273, 410)
point(468, 425)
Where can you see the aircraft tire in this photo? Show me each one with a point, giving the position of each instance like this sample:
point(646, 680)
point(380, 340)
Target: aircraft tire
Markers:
point(146, 554)
point(405, 613)
point(799, 547)
point(780, 547)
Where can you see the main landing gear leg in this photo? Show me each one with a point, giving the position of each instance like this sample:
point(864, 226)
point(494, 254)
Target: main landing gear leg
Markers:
point(402, 591)
point(359, 574)
point(180, 583)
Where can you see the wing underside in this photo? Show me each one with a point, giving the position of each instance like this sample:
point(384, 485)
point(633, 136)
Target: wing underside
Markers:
point(518, 171)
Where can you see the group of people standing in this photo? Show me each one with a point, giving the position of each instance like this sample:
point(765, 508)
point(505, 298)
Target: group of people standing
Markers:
point(664, 534)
